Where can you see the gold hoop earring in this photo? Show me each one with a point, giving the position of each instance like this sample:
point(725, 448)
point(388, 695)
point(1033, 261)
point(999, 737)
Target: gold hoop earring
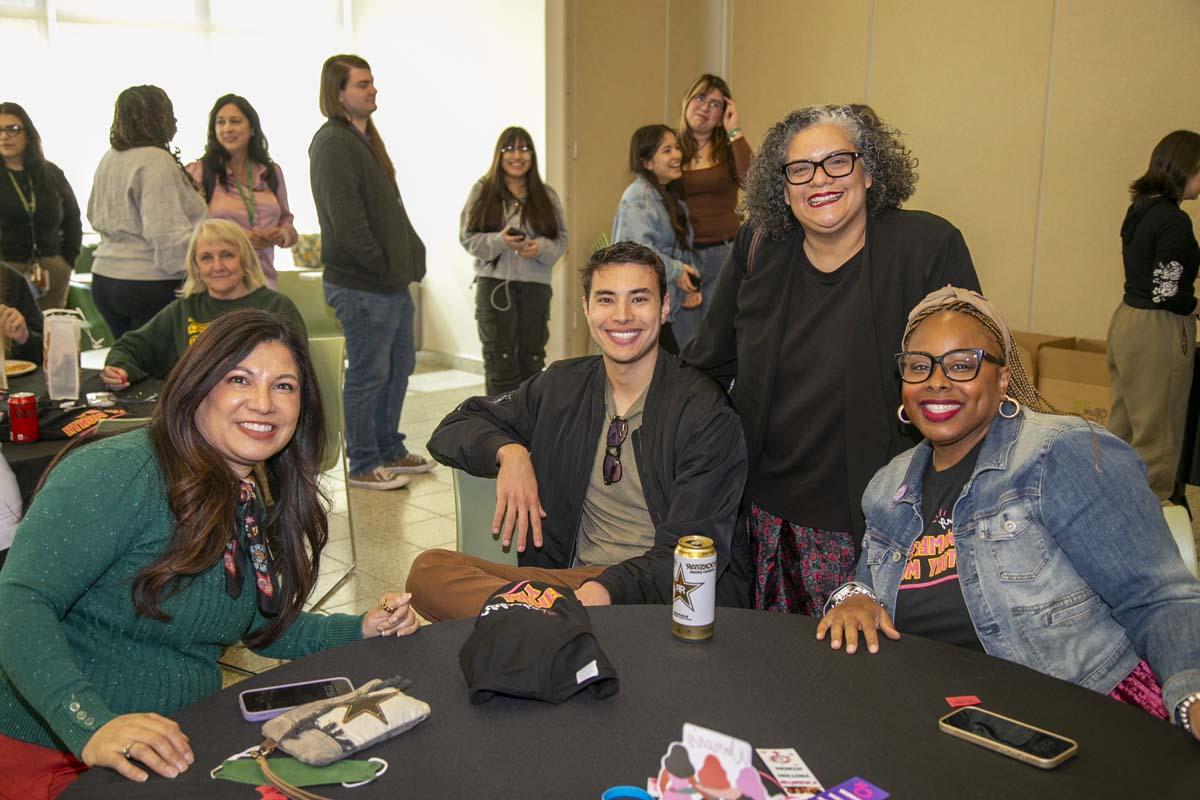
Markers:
point(1008, 398)
point(900, 416)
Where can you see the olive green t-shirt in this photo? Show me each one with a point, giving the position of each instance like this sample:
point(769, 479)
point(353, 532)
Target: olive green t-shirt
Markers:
point(615, 524)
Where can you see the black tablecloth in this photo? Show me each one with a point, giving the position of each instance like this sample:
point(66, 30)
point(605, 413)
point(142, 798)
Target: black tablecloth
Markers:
point(763, 678)
point(29, 461)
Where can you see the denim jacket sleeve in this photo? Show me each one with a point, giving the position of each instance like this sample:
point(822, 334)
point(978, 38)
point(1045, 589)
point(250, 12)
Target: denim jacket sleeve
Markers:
point(642, 218)
point(1110, 525)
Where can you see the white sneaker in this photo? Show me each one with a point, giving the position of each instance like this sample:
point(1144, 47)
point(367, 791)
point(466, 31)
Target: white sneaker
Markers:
point(379, 479)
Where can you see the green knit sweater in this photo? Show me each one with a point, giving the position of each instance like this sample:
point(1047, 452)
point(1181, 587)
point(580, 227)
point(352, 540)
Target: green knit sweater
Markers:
point(73, 653)
point(153, 349)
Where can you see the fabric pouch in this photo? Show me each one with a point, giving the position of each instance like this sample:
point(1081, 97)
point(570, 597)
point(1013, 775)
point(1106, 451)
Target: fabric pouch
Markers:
point(298, 773)
point(325, 731)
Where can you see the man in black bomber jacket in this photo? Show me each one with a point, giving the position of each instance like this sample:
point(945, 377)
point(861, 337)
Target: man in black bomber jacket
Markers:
point(603, 521)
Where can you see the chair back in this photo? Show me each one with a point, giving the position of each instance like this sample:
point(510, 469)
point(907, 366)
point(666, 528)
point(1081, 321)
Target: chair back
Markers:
point(474, 506)
point(306, 289)
point(327, 353)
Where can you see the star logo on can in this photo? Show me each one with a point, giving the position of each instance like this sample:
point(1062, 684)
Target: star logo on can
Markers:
point(682, 589)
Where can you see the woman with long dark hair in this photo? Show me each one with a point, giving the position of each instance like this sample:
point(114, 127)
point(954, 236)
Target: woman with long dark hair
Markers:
point(40, 229)
point(716, 157)
point(1152, 336)
point(144, 206)
point(652, 212)
point(240, 181)
point(513, 225)
point(145, 554)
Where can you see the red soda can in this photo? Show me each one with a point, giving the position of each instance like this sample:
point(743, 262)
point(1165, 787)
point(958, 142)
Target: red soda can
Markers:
point(23, 417)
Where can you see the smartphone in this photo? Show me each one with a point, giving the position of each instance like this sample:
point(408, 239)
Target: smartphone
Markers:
point(1013, 738)
point(262, 704)
point(520, 234)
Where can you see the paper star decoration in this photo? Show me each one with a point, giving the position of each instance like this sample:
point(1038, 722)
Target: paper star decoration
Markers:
point(368, 704)
point(682, 590)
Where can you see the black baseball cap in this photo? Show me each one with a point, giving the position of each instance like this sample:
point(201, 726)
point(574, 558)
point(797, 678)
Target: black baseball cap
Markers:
point(534, 640)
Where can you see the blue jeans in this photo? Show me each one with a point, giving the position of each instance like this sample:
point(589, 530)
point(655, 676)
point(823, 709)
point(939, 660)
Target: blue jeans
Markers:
point(379, 344)
point(686, 323)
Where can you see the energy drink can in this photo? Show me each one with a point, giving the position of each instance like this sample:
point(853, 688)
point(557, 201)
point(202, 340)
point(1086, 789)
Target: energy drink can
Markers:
point(694, 589)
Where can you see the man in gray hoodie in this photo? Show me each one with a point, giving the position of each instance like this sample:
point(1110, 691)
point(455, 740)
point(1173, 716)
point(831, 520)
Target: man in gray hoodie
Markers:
point(370, 254)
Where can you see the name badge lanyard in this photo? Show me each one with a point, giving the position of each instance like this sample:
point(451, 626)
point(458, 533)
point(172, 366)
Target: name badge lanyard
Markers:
point(30, 206)
point(38, 277)
point(247, 196)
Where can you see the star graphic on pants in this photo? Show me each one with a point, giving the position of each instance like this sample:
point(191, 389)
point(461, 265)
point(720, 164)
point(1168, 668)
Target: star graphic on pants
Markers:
point(368, 703)
point(682, 590)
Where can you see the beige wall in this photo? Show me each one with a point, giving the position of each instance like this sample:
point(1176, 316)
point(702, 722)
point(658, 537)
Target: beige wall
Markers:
point(1029, 118)
point(626, 64)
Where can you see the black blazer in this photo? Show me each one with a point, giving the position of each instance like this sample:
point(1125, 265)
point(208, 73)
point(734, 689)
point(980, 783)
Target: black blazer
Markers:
point(690, 455)
point(908, 254)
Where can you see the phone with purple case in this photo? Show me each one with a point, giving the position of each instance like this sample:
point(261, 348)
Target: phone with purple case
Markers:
point(259, 705)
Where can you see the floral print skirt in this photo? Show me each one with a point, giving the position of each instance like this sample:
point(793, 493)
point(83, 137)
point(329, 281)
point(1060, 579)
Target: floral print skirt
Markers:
point(796, 568)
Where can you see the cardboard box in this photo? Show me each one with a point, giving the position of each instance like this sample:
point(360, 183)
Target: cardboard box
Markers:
point(1074, 378)
point(1028, 344)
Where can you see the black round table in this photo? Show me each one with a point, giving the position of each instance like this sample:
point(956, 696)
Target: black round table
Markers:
point(29, 461)
point(763, 678)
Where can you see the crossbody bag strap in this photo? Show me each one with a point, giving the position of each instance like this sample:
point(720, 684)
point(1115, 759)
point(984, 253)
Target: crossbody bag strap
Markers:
point(754, 240)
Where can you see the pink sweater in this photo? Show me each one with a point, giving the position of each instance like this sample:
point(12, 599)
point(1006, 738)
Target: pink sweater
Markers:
point(270, 210)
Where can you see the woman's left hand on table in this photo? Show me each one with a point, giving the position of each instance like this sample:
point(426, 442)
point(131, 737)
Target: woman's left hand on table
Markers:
point(12, 324)
point(393, 617)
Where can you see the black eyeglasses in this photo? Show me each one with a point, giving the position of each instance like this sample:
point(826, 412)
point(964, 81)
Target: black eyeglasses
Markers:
point(618, 429)
point(509, 148)
point(957, 365)
point(835, 165)
point(12, 130)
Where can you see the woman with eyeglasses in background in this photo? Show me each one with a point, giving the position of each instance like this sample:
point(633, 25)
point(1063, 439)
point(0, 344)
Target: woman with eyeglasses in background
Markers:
point(804, 315)
point(1152, 336)
point(716, 157)
point(40, 228)
point(240, 181)
point(653, 213)
point(513, 226)
point(144, 206)
point(1013, 530)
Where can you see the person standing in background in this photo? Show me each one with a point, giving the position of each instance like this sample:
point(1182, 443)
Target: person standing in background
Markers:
point(40, 229)
point(513, 226)
point(716, 157)
point(240, 181)
point(652, 213)
point(1152, 336)
point(144, 207)
point(371, 253)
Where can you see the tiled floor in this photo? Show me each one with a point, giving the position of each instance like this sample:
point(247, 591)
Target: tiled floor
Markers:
point(390, 527)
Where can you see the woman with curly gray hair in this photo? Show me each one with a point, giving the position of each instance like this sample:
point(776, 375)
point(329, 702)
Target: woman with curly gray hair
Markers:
point(803, 320)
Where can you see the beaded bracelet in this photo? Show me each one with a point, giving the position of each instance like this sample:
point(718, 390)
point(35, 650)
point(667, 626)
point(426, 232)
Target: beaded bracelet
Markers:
point(845, 592)
point(1183, 711)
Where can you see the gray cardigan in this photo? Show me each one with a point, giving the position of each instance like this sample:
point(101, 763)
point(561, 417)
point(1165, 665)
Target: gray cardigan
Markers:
point(144, 208)
point(495, 259)
point(367, 241)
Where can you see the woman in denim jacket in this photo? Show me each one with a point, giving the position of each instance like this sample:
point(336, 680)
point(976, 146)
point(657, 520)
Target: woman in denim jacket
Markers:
point(1067, 563)
point(652, 212)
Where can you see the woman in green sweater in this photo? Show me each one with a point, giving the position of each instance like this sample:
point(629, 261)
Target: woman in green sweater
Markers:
point(144, 555)
point(223, 275)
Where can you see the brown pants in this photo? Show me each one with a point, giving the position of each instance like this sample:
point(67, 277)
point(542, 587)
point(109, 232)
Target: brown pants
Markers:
point(60, 279)
point(450, 585)
point(1150, 356)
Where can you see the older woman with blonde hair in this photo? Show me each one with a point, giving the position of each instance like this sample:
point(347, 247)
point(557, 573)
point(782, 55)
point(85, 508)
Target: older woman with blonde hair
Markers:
point(223, 275)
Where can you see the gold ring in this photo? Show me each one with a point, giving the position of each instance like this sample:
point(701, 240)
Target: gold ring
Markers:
point(125, 750)
point(386, 606)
